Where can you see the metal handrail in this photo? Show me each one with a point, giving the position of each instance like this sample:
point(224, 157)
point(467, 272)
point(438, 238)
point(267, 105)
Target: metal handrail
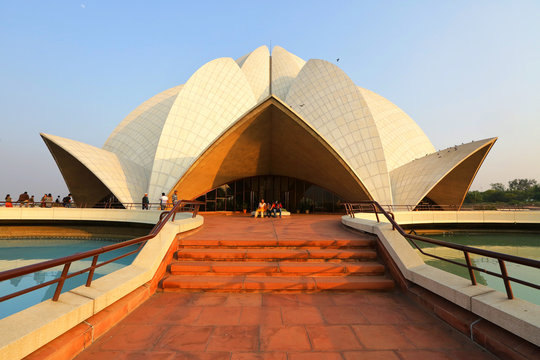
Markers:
point(101, 205)
point(466, 207)
point(501, 258)
point(190, 206)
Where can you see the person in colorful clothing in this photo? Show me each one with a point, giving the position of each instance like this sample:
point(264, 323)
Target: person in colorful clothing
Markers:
point(276, 207)
point(260, 209)
point(9, 201)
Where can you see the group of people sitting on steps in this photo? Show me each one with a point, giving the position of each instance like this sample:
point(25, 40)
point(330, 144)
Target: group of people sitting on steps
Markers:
point(270, 209)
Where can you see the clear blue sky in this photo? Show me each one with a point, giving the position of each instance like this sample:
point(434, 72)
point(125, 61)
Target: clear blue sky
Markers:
point(463, 70)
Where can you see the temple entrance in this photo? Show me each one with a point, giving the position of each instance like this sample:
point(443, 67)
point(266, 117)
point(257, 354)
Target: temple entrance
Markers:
point(295, 195)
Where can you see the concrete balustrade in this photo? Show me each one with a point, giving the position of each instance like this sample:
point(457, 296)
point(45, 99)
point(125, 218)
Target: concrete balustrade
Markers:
point(519, 317)
point(84, 214)
point(26, 331)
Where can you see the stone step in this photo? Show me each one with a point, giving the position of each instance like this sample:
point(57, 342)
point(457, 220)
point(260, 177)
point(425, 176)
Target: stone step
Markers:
point(274, 268)
point(286, 243)
point(271, 283)
point(273, 254)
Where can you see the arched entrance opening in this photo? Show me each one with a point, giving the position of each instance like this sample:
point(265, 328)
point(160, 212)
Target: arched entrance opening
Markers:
point(294, 194)
point(273, 143)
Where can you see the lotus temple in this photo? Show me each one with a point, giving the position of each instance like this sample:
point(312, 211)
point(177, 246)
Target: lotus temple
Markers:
point(226, 286)
point(270, 126)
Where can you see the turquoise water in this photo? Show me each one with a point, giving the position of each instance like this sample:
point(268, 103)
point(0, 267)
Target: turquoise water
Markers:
point(20, 252)
point(519, 244)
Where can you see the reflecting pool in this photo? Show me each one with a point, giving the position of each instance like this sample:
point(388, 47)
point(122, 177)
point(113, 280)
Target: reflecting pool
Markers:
point(21, 252)
point(519, 244)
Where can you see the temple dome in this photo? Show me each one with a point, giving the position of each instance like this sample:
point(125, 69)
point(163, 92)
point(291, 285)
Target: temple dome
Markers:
point(372, 148)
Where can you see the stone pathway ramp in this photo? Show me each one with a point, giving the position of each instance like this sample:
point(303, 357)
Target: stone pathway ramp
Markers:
point(236, 326)
point(285, 326)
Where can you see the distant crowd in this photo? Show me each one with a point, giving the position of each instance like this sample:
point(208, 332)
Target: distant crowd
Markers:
point(46, 201)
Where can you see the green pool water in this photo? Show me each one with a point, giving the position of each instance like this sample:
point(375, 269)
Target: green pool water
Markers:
point(519, 244)
point(15, 253)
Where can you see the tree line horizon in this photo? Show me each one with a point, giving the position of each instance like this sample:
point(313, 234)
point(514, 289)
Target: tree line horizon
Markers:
point(517, 192)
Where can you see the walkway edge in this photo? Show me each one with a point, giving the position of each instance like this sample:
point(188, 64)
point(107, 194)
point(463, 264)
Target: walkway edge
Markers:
point(518, 317)
point(25, 332)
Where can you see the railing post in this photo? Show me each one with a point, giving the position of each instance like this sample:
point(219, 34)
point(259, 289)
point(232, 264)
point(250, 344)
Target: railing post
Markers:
point(504, 274)
point(469, 267)
point(393, 218)
point(61, 282)
point(375, 211)
point(91, 272)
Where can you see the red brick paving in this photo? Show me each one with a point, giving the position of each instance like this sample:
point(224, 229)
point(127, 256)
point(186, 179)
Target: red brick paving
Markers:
point(269, 326)
point(282, 326)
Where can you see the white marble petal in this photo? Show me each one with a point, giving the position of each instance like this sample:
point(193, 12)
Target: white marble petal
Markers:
point(413, 181)
point(285, 67)
point(137, 136)
point(213, 98)
point(241, 59)
point(332, 104)
point(256, 67)
point(126, 179)
point(401, 138)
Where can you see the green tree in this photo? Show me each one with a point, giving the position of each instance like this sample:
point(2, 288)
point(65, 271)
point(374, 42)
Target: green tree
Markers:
point(519, 191)
point(474, 197)
point(497, 187)
point(535, 193)
point(521, 184)
point(495, 196)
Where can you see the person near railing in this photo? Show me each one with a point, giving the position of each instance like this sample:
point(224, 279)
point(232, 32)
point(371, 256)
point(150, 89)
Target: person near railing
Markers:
point(67, 201)
point(23, 199)
point(43, 200)
point(145, 201)
point(174, 197)
point(163, 201)
point(8, 201)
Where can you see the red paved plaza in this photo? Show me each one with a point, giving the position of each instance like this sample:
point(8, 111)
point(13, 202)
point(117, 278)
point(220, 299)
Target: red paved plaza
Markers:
point(293, 326)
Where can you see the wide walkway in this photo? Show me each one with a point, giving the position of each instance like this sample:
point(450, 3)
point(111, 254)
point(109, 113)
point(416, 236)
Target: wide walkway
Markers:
point(330, 325)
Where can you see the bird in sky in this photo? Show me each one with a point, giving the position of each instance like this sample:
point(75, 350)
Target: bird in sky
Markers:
point(337, 60)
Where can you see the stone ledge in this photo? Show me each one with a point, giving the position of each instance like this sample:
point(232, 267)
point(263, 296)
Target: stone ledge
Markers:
point(497, 340)
point(519, 317)
point(26, 331)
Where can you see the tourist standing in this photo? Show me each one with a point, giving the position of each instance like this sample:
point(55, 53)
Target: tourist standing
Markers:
point(175, 197)
point(163, 201)
point(49, 203)
point(145, 202)
point(31, 201)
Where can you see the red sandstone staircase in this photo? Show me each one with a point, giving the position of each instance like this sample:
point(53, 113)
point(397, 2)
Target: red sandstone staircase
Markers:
point(281, 262)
